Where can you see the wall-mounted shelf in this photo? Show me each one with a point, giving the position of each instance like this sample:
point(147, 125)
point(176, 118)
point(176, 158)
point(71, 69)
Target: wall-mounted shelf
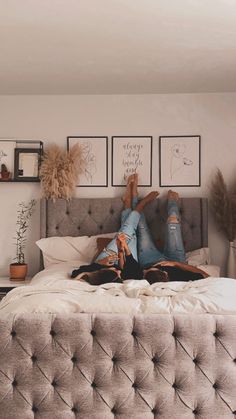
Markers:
point(22, 159)
point(18, 181)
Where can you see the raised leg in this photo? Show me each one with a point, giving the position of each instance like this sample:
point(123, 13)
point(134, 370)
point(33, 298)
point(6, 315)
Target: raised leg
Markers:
point(148, 254)
point(174, 247)
point(147, 251)
point(128, 227)
point(129, 202)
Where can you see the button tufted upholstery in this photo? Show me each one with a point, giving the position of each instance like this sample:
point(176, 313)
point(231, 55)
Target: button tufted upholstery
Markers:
point(114, 372)
point(80, 217)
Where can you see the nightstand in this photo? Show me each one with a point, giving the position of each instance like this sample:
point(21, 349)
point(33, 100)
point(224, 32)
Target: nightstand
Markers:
point(6, 285)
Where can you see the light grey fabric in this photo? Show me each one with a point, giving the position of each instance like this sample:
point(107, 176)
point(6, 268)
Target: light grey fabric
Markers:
point(115, 366)
point(95, 216)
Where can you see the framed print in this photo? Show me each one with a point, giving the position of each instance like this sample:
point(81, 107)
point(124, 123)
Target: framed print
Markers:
point(180, 160)
point(27, 162)
point(131, 155)
point(95, 155)
point(7, 152)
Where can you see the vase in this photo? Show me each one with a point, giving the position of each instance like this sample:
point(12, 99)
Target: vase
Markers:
point(231, 263)
point(18, 271)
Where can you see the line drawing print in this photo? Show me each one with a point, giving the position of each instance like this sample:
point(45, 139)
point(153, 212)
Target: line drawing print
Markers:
point(90, 167)
point(2, 154)
point(178, 159)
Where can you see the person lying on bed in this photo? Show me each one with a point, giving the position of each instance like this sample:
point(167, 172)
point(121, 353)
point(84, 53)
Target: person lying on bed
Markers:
point(172, 262)
point(118, 260)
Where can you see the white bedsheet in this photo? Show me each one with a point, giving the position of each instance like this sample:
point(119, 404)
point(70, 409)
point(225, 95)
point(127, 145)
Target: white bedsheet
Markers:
point(51, 291)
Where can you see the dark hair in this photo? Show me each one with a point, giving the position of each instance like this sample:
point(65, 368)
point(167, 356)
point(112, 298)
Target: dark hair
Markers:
point(156, 275)
point(179, 274)
point(101, 277)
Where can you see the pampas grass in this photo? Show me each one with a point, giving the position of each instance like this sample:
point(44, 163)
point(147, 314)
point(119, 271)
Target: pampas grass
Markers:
point(223, 204)
point(60, 170)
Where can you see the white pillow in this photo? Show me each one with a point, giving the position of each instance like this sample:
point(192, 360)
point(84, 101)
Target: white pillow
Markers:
point(69, 249)
point(199, 256)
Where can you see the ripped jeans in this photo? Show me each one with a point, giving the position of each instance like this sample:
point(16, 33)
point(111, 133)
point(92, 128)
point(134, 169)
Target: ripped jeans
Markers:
point(129, 222)
point(140, 241)
point(148, 254)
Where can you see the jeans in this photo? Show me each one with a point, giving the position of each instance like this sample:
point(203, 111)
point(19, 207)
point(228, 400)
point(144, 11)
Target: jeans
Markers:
point(148, 254)
point(129, 222)
point(140, 241)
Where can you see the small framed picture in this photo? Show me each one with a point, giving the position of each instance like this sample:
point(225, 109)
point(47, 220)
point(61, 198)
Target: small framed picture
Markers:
point(95, 156)
point(27, 163)
point(180, 160)
point(131, 155)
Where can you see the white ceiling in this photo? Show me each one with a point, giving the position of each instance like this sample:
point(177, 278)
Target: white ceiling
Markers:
point(117, 46)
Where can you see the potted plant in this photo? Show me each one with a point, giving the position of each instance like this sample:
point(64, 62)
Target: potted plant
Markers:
point(5, 174)
point(18, 270)
point(223, 203)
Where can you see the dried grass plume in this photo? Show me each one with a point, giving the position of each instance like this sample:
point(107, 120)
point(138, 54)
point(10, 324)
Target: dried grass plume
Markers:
point(223, 204)
point(60, 170)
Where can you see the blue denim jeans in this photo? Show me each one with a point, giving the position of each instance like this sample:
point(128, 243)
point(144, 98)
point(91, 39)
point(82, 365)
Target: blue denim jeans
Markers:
point(148, 254)
point(140, 241)
point(129, 222)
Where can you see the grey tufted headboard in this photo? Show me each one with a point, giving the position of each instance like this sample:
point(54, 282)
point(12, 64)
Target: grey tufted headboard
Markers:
point(82, 216)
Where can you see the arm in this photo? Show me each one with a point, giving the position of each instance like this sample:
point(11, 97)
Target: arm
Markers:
point(184, 266)
point(122, 244)
point(130, 268)
point(108, 260)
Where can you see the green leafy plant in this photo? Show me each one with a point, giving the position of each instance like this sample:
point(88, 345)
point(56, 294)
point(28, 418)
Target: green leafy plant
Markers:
point(24, 213)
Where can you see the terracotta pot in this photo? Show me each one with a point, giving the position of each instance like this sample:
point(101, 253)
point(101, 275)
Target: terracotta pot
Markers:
point(18, 271)
point(5, 175)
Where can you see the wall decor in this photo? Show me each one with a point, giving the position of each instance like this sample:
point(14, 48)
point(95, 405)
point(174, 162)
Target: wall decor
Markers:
point(60, 171)
point(7, 150)
point(95, 157)
point(180, 160)
point(20, 160)
point(27, 162)
point(131, 155)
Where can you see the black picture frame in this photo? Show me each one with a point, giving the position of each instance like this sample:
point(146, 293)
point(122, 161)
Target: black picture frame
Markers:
point(18, 171)
point(85, 180)
point(172, 169)
point(115, 138)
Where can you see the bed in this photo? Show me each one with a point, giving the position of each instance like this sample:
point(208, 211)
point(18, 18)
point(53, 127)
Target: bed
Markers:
point(124, 363)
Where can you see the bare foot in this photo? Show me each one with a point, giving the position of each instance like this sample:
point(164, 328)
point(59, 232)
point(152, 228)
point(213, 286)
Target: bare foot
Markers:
point(146, 200)
point(130, 179)
point(173, 196)
point(128, 193)
point(135, 185)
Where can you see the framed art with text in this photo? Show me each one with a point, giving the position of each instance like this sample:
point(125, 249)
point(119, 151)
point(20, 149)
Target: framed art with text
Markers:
point(131, 155)
point(180, 160)
point(95, 156)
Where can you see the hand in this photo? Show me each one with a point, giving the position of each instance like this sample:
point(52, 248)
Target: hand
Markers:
point(167, 263)
point(121, 238)
point(119, 244)
point(108, 260)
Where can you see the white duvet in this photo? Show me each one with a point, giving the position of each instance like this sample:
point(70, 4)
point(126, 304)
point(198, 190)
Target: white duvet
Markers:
point(51, 291)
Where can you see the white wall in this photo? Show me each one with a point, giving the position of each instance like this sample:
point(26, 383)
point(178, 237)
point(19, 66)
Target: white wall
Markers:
point(53, 118)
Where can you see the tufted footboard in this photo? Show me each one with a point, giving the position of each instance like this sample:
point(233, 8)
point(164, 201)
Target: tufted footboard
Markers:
point(113, 366)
